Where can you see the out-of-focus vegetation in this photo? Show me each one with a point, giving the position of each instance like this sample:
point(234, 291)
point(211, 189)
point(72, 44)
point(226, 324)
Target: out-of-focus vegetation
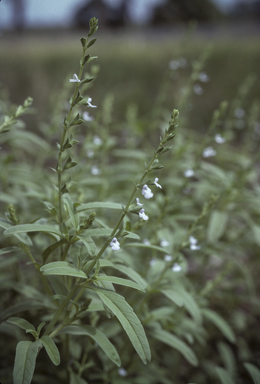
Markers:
point(198, 253)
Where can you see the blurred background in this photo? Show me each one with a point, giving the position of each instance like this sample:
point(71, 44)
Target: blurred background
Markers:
point(137, 39)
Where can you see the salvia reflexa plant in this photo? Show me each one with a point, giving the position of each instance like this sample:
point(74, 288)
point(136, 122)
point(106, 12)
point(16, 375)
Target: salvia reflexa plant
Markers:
point(121, 270)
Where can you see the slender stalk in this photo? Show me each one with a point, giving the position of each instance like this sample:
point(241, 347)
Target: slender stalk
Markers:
point(62, 308)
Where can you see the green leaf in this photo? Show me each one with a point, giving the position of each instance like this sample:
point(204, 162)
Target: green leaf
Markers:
point(126, 271)
point(217, 225)
point(91, 42)
point(174, 296)
point(174, 342)
point(224, 376)
point(256, 233)
point(25, 358)
point(147, 246)
point(62, 268)
point(46, 253)
point(253, 371)
point(24, 228)
point(51, 349)
point(129, 321)
point(21, 307)
point(99, 337)
point(89, 244)
point(25, 239)
point(120, 281)
point(72, 210)
point(99, 204)
point(220, 323)
point(21, 323)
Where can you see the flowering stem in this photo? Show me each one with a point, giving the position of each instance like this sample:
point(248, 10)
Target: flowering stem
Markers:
point(168, 135)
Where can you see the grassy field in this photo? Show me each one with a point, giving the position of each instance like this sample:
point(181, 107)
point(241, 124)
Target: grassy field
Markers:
point(132, 66)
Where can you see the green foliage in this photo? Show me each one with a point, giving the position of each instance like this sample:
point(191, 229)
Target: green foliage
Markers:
point(113, 293)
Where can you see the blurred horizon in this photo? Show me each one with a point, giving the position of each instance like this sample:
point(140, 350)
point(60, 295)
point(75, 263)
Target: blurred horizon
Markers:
point(61, 13)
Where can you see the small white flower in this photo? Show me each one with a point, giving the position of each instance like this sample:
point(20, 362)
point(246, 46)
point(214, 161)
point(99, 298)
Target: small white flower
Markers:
point(86, 116)
point(152, 262)
point(137, 202)
point(115, 244)
point(155, 182)
point(189, 172)
point(89, 103)
point(176, 267)
point(95, 170)
point(146, 191)
point(174, 64)
point(219, 139)
point(122, 372)
point(90, 153)
point(164, 243)
point(197, 89)
point(239, 113)
point(203, 77)
point(168, 258)
point(193, 243)
point(146, 242)
point(97, 140)
point(75, 79)
point(142, 215)
point(208, 152)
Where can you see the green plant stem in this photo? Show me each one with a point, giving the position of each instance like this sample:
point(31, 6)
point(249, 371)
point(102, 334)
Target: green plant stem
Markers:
point(64, 135)
point(124, 213)
point(62, 308)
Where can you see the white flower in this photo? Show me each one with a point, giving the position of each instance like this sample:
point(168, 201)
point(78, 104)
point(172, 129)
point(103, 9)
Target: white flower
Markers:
point(115, 244)
point(203, 77)
point(208, 152)
point(86, 116)
point(146, 242)
point(122, 372)
point(152, 262)
point(189, 172)
point(75, 79)
point(239, 113)
point(168, 258)
point(176, 267)
point(219, 139)
point(164, 243)
point(146, 191)
point(90, 153)
point(197, 89)
point(137, 202)
point(97, 140)
point(143, 215)
point(174, 64)
point(89, 103)
point(193, 243)
point(155, 182)
point(95, 170)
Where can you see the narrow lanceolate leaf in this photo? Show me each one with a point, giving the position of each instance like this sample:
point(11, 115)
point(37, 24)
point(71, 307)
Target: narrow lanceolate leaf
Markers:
point(224, 376)
point(99, 204)
point(24, 228)
point(120, 281)
point(62, 268)
point(254, 372)
point(89, 244)
point(71, 207)
point(125, 270)
point(22, 237)
point(176, 343)
point(21, 307)
point(51, 349)
point(217, 225)
point(129, 321)
point(181, 297)
point(25, 358)
point(99, 337)
point(220, 323)
point(21, 323)
point(152, 247)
